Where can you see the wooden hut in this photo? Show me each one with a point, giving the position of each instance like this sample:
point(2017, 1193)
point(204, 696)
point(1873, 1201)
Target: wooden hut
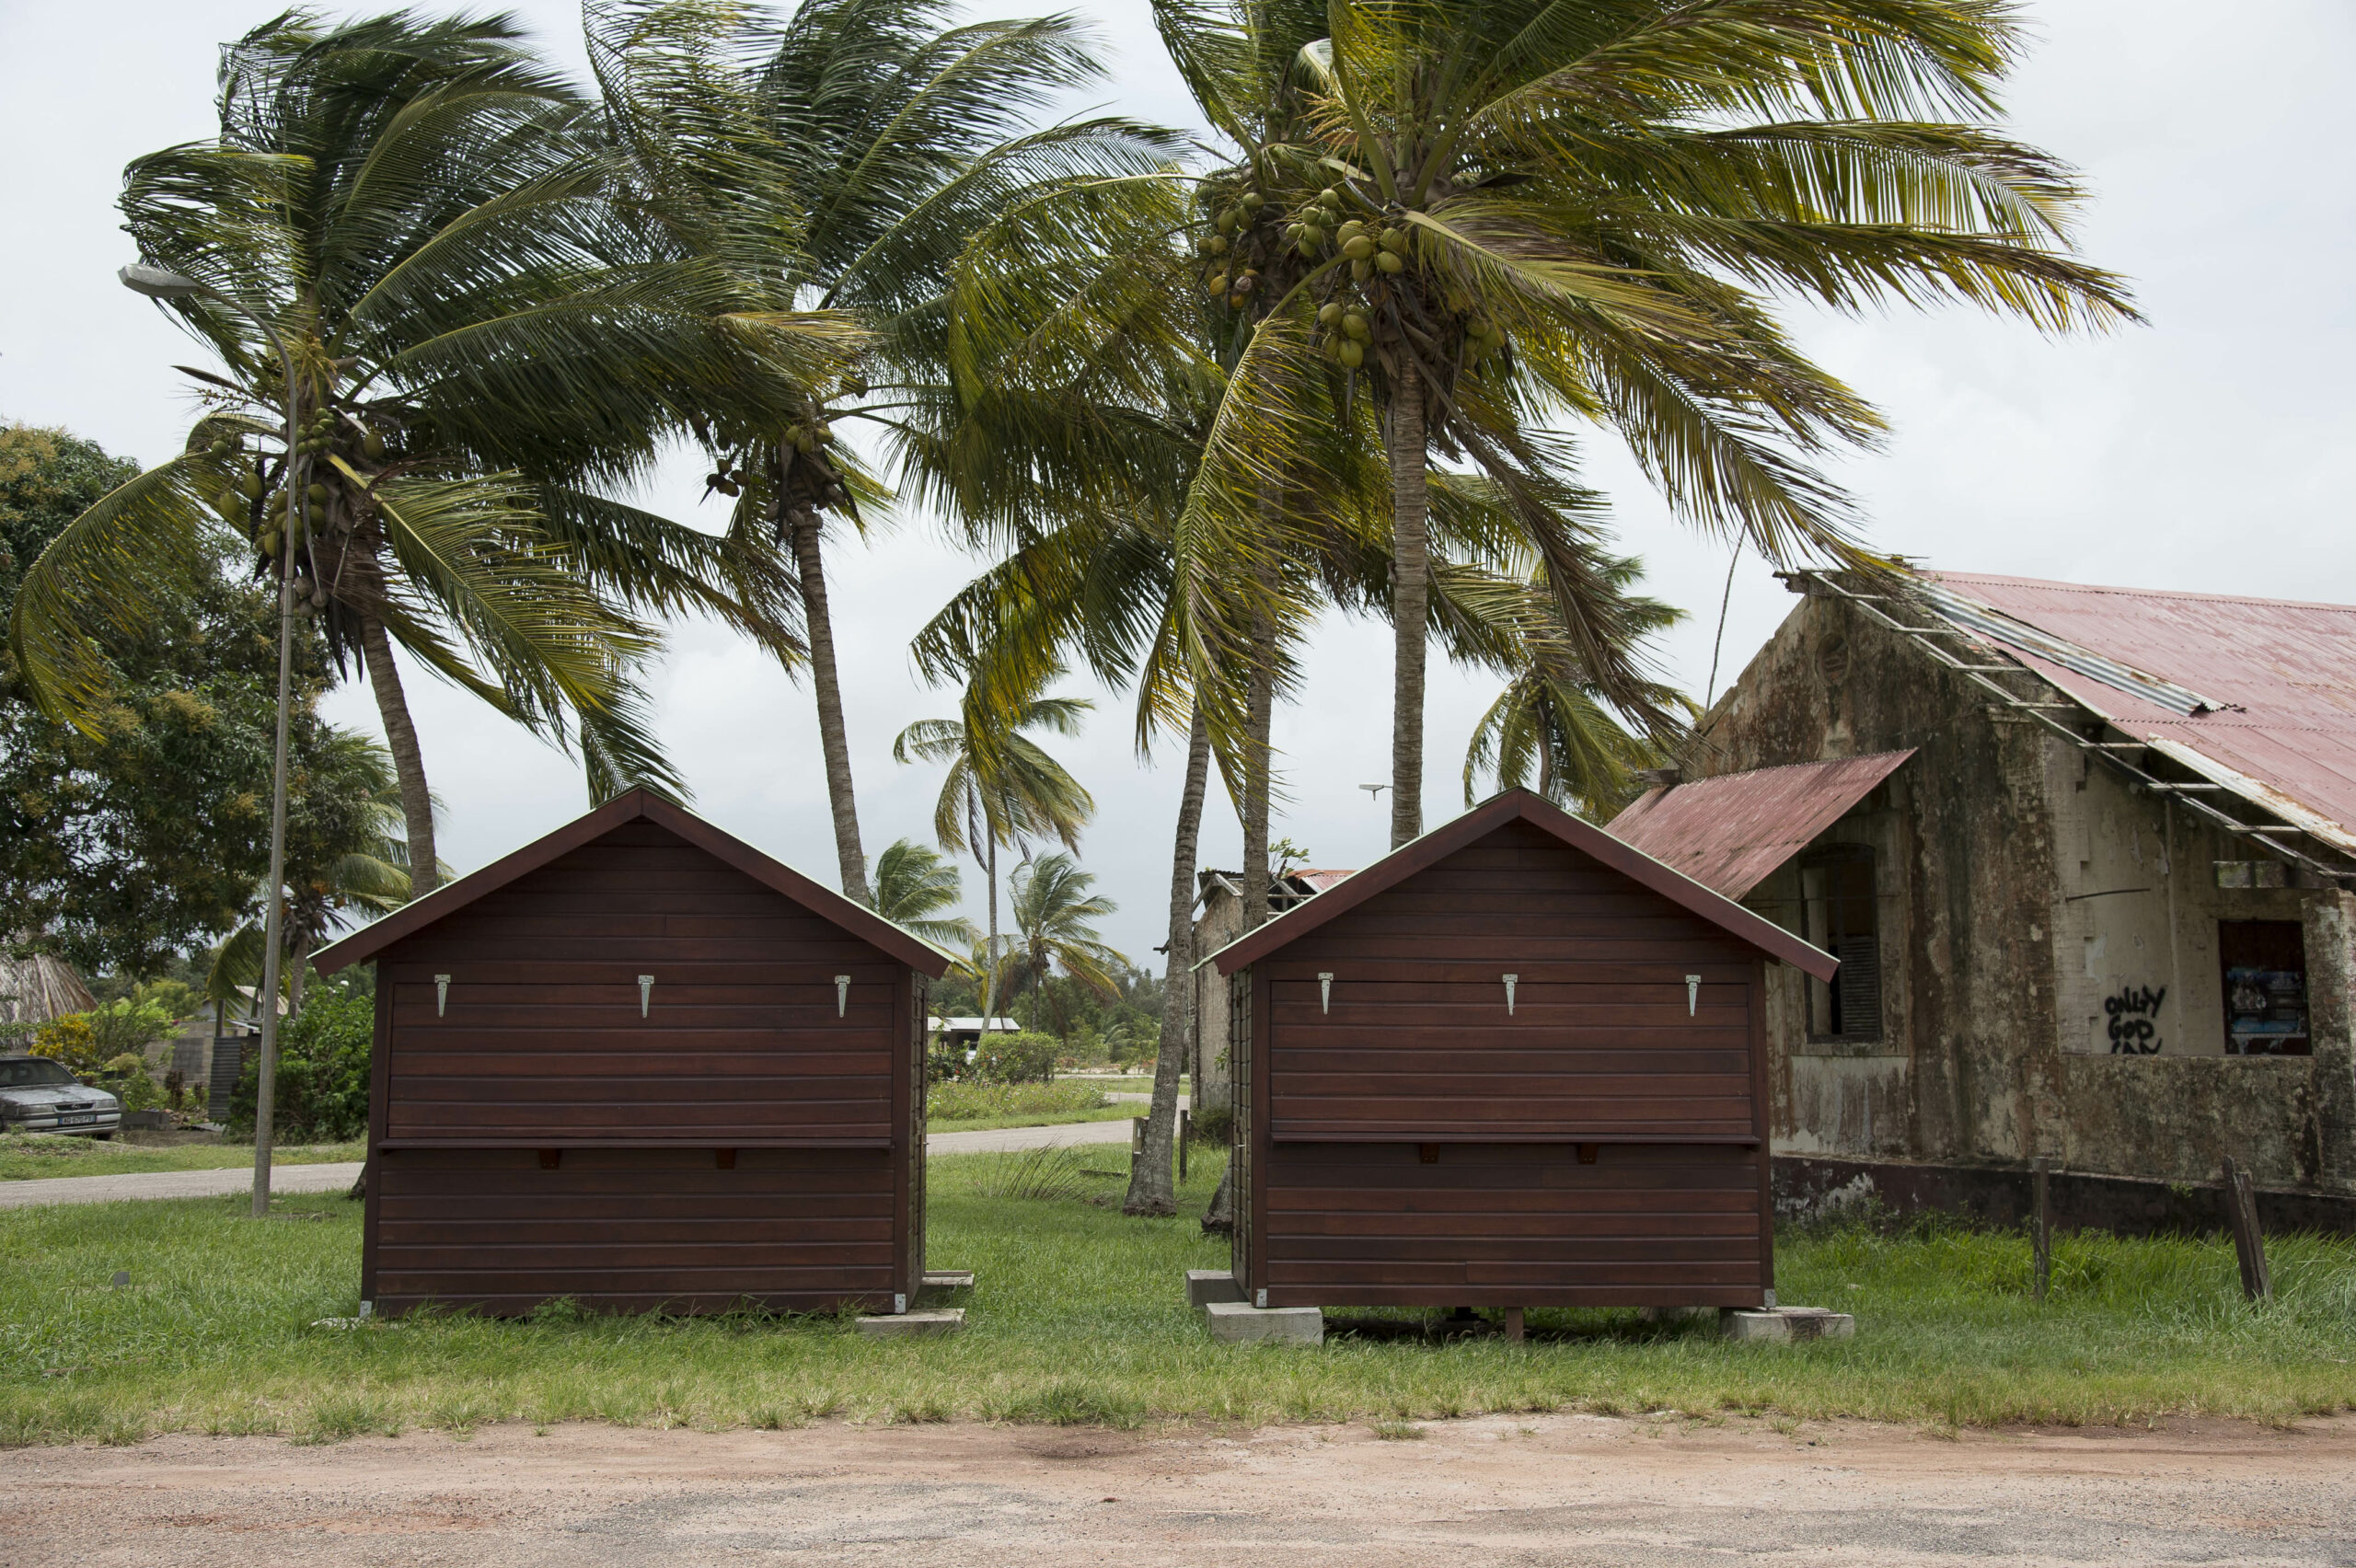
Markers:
point(1513, 1064)
point(643, 1065)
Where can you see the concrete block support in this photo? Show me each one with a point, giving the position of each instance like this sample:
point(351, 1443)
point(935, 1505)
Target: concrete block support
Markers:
point(1206, 1285)
point(1788, 1325)
point(921, 1324)
point(1232, 1322)
point(949, 1279)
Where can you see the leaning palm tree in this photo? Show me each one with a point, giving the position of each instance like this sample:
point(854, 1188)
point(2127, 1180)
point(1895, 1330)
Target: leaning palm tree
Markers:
point(1002, 790)
point(1055, 923)
point(912, 885)
point(843, 156)
point(1506, 213)
point(412, 212)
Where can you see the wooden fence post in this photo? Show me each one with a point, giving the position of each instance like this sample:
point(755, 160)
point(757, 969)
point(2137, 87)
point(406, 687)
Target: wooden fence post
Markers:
point(2041, 1225)
point(2249, 1242)
point(1185, 1136)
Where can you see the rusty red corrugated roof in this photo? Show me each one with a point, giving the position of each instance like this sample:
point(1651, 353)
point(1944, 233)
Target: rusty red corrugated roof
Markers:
point(1318, 880)
point(2283, 671)
point(1729, 832)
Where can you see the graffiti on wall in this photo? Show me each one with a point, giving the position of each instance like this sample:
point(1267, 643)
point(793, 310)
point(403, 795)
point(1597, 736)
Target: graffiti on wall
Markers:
point(2135, 1019)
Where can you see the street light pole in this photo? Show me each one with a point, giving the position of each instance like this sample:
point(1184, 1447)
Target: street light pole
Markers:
point(159, 283)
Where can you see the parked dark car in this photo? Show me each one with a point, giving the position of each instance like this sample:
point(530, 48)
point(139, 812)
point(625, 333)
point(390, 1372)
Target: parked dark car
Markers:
point(37, 1095)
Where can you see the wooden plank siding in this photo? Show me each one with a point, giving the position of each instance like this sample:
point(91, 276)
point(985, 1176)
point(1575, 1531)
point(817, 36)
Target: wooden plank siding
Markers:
point(745, 1138)
point(1417, 1142)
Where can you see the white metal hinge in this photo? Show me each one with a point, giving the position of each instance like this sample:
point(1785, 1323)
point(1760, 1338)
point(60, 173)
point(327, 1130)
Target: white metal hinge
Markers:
point(842, 996)
point(1692, 994)
point(645, 993)
point(1326, 990)
point(440, 995)
point(1510, 979)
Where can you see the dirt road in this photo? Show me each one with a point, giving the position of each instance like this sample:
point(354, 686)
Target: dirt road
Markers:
point(1550, 1490)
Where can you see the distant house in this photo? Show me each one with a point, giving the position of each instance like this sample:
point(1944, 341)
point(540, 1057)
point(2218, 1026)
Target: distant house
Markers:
point(1218, 920)
point(964, 1032)
point(2085, 856)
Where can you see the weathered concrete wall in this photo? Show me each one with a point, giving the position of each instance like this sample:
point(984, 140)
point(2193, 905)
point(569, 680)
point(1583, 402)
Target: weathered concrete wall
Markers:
point(1968, 1067)
point(1220, 922)
point(2050, 977)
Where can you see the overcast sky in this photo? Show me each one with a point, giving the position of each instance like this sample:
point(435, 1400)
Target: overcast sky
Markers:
point(2196, 453)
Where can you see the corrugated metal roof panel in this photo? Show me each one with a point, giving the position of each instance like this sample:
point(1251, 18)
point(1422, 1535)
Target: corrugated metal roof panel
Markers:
point(2283, 673)
point(1729, 832)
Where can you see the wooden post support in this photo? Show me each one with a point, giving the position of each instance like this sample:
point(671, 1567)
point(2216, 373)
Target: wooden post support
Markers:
point(2249, 1242)
point(1513, 1324)
point(1185, 1136)
point(1136, 1137)
point(2041, 1224)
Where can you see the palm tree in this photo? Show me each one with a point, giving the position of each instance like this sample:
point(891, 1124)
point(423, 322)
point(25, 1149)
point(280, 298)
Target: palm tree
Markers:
point(346, 861)
point(1550, 719)
point(844, 157)
point(1055, 917)
point(1508, 212)
point(913, 884)
point(1002, 789)
point(416, 211)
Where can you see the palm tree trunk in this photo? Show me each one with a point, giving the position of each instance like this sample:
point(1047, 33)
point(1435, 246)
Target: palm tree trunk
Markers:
point(1403, 431)
point(989, 953)
point(400, 738)
point(1151, 1188)
point(299, 956)
point(809, 562)
point(409, 768)
point(1260, 718)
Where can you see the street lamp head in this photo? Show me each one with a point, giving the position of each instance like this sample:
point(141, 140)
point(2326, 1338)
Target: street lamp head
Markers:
point(159, 283)
point(1374, 792)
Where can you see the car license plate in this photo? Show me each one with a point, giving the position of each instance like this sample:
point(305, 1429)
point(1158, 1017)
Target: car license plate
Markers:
point(76, 1120)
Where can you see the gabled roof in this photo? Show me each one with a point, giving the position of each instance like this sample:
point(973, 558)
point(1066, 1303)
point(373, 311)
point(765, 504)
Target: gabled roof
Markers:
point(637, 805)
point(2258, 695)
point(1478, 823)
point(1728, 832)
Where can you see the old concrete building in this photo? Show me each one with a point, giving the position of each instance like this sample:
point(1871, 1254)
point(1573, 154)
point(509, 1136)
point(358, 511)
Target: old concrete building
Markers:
point(2083, 855)
point(1218, 920)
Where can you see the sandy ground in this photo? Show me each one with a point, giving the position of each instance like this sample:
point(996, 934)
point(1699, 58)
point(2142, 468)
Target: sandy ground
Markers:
point(1570, 1490)
point(337, 1178)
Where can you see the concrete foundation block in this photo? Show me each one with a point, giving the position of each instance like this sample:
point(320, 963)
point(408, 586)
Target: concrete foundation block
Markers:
point(1789, 1325)
point(914, 1325)
point(1232, 1322)
point(1206, 1285)
point(949, 1279)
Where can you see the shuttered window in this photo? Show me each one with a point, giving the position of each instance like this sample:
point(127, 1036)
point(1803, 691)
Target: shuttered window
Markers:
point(1839, 910)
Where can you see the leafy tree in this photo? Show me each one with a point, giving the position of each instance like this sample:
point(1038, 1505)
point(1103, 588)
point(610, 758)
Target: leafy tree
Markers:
point(418, 209)
point(913, 884)
point(1055, 917)
point(143, 833)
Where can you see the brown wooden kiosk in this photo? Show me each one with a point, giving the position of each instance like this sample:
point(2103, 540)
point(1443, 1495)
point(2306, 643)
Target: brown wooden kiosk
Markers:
point(643, 1065)
point(1513, 1064)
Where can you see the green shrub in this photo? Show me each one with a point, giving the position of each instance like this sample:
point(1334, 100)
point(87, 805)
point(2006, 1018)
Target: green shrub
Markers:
point(1021, 1057)
point(958, 1102)
point(1212, 1124)
point(322, 1074)
point(127, 1078)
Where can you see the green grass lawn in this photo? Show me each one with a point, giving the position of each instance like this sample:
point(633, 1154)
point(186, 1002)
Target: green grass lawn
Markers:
point(26, 1157)
point(1078, 1316)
